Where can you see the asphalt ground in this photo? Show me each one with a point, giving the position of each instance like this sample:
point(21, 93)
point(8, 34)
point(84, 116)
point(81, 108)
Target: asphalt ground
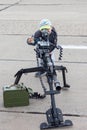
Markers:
point(18, 20)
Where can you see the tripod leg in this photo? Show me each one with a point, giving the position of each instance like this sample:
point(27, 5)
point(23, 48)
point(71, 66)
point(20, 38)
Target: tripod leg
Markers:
point(17, 79)
point(65, 85)
point(54, 115)
point(63, 69)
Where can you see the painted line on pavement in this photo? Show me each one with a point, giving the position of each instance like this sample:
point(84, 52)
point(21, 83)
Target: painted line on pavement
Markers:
point(81, 47)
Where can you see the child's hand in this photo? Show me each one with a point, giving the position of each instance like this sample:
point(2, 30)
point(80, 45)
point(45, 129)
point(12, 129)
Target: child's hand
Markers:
point(30, 40)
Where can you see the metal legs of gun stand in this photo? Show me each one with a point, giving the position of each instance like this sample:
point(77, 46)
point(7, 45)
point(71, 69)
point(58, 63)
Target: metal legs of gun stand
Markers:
point(54, 115)
point(28, 70)
point(35, 69)
point(63, 69)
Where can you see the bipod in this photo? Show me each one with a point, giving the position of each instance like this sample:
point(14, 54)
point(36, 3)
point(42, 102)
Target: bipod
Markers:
point(54, 115)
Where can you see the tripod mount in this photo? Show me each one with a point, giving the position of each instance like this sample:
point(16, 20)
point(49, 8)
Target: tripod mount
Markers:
point(54, 115)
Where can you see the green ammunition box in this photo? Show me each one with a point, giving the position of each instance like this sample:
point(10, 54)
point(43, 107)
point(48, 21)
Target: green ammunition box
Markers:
point(15, 95)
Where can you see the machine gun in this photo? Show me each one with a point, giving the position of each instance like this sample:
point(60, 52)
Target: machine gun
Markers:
point(54, 115)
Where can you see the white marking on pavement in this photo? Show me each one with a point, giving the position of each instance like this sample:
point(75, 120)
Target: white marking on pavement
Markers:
point(74, 46)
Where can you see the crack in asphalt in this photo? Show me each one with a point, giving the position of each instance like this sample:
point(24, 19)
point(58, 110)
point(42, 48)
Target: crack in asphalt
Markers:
point(42, 113)
point(23, 60)
point(46, 4)
point(10, 5)
point(10, 34)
